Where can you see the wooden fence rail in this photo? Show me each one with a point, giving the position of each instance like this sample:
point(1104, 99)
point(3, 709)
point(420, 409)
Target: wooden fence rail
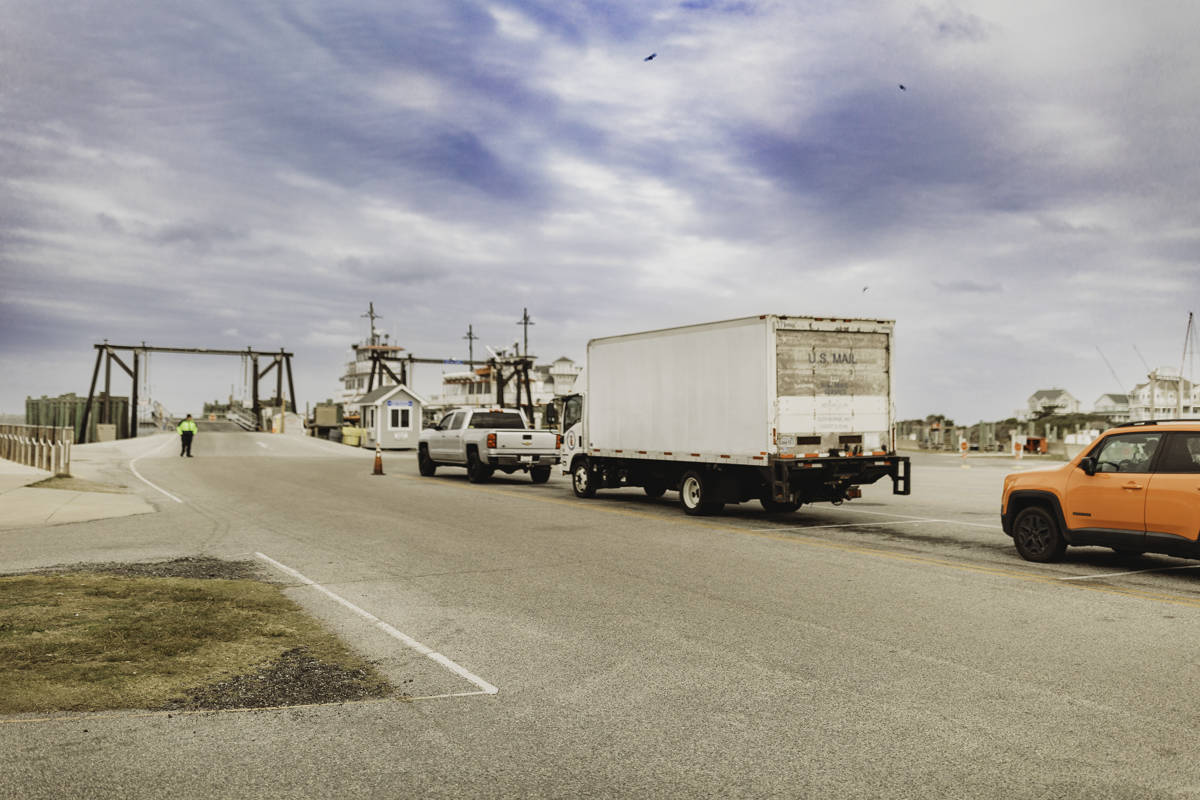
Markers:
point(39, 446)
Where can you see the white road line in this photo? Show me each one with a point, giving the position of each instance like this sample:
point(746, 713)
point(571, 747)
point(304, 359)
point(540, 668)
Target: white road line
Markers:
point(1134, 572)
point(133, 469)
point(484, 686)
point(920, 519)
point(262, 445)
point(843, 525)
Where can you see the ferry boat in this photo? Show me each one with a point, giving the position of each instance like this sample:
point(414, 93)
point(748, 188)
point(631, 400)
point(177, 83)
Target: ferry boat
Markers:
point(356, 377)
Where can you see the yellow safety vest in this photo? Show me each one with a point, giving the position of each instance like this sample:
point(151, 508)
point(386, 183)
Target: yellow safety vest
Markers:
point(187, 426)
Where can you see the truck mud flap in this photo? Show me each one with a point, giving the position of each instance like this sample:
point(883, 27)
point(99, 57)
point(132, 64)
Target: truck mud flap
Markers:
point(901, 476)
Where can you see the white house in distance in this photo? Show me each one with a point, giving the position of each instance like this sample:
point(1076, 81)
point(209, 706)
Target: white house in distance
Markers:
point(1051, 401)
point(1113, 406)
point(391, 417)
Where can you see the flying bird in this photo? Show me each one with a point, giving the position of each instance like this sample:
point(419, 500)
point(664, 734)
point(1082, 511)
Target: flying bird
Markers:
point(650, 57)
point(903, 88)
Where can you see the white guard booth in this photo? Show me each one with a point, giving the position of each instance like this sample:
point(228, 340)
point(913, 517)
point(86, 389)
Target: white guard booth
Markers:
point(391, 416)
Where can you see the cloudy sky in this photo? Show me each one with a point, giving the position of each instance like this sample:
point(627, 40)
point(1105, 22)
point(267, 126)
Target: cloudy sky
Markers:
point(229, 174)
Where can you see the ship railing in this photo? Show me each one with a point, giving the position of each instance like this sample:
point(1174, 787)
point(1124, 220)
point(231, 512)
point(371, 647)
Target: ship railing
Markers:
point(240, 416)
point(39, 446)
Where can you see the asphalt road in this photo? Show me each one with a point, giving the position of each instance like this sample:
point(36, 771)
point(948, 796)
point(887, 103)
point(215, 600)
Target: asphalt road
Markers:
point(889, 647)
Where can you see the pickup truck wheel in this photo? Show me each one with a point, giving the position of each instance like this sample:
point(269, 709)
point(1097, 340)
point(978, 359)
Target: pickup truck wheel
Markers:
point(777, 507)
point(581, 479)
point(692, 493)
point(1037, 537)
point(477, 471)
point(539, 474)
point(425, 465)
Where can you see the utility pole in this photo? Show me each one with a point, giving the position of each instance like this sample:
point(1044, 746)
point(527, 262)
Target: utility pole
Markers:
point(471, 337)
point(526, 322)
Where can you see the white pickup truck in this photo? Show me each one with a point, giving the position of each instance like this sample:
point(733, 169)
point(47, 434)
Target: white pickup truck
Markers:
point(485, 440)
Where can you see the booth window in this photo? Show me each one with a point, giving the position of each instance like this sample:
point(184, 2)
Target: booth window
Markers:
point(401, 418)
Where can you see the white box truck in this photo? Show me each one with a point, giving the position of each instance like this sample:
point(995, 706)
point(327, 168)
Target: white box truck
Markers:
point(784, 410)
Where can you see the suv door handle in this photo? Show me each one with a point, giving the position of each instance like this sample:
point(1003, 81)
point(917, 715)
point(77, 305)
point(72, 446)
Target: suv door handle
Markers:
point(1132, 485)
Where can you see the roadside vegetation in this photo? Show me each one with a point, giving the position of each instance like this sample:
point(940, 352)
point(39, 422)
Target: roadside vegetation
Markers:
point(186, 634)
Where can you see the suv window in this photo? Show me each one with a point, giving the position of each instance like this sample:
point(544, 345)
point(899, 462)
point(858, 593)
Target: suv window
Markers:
point(1181, 453)
point(1126, 452)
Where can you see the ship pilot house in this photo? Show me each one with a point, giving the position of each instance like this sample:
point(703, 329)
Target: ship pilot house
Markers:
point(391, 417)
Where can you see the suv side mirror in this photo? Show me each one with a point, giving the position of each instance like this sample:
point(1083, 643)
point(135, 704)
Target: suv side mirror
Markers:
point(1088, 465)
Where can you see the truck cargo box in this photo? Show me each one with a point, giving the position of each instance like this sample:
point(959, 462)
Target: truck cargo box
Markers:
point(741, 390)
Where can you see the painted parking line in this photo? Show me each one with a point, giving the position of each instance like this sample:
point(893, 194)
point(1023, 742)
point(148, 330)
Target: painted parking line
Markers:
point(841, 509)
point(262, 445)
point(844, 525)
point(1131, 572)
point(484, 686)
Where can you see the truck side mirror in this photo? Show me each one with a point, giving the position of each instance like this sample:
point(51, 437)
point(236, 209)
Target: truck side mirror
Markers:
point(1088, 465)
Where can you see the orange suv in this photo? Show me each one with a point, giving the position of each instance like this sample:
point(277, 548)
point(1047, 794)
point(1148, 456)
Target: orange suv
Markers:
point(1136, 489)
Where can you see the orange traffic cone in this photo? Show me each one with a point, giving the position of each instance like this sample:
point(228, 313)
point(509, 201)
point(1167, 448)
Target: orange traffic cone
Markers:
point(378, 460)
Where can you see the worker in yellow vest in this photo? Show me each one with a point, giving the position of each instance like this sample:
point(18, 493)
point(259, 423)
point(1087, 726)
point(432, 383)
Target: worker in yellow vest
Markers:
point(187, 429)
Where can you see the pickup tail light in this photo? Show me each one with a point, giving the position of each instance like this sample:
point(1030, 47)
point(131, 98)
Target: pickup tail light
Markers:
point(491, 440)
point(558, 442)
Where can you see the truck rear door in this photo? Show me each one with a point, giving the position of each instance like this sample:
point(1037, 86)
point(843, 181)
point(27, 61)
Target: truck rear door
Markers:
point(833, 389)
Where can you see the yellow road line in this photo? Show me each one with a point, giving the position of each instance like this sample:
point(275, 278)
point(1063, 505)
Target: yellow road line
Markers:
point(801, 538)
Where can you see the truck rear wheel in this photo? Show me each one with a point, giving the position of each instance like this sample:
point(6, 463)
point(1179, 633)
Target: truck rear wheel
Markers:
point(581, 479)
point(477, 471)
point(425, 465)
point(539, 474)
point(693, 492)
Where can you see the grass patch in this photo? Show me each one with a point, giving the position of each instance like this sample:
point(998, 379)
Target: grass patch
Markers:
point(90, 641)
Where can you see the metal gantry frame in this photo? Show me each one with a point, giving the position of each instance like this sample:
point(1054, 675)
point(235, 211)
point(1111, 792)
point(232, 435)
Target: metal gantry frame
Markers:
point(107, 352)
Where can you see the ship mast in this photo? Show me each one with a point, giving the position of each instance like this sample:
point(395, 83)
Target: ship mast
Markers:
point(374, 340)
point(1187, 338)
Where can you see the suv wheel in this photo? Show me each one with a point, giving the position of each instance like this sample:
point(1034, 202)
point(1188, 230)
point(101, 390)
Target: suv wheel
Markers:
point(1037, 537)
